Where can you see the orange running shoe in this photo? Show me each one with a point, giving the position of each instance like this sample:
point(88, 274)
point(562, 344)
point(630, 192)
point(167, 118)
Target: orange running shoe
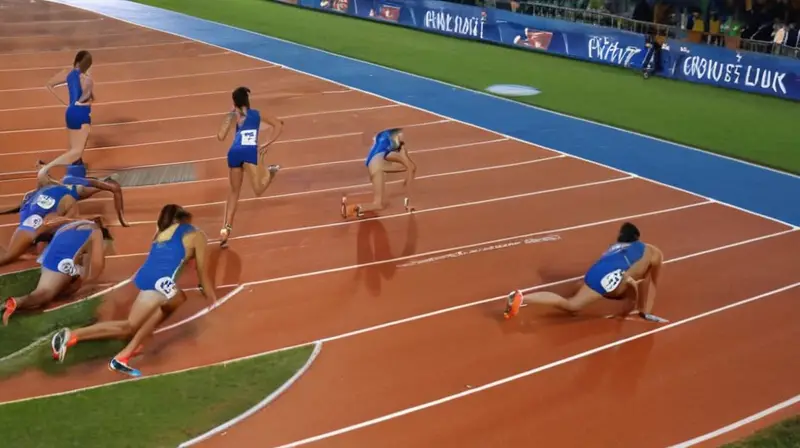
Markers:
point(513, 302)
point(9, 307)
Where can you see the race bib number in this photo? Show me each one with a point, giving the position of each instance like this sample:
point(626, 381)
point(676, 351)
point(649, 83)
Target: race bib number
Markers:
point(67, 266)
point(166, 286)
point(249, 138)
point(611, 280)
point(46, 202)
point(33, 221)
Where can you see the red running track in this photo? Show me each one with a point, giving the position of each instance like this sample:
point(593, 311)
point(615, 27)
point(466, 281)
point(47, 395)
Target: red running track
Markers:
point(408, 307)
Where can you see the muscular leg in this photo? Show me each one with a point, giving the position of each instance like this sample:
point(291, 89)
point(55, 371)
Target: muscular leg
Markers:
point(150, 325)
point(235, 177)
point(77, 143)
point(378, 179)
point(51, 284)
point(21, 241)
point(260, 175)
point(112, 186)
point(145, 305)
point(578, 301)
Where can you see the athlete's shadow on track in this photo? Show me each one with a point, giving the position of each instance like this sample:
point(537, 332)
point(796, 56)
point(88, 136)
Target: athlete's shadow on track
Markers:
point(373, 247)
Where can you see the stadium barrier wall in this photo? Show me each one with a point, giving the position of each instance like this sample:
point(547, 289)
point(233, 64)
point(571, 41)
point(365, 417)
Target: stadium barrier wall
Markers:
point(705, 64)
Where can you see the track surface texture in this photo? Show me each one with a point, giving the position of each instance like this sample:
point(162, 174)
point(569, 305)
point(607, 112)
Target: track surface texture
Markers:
point(409, 305)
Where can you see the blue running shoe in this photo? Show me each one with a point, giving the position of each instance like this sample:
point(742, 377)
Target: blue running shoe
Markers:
point(121, 367)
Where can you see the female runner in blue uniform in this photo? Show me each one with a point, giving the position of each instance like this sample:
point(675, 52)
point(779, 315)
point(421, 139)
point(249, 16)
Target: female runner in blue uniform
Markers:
point(74, 257)
point(176, 242)
point(40, 212)
point(245, 154)
point(622, 267)
point(78, 115)
point(387, 155)
point(87, 187)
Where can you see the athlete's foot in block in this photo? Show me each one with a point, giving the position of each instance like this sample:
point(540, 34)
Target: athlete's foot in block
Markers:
point(513, 303)
point(8, 309)
point(122, 367)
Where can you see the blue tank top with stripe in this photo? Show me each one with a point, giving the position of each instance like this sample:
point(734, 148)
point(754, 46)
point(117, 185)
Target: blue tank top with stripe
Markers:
point(167, 257)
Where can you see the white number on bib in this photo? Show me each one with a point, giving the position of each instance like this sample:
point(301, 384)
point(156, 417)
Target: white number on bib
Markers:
point(249, 138)
point(67, 266)
point(611, 280)
point(33, 221)
point(45, 202)
point(166, 286)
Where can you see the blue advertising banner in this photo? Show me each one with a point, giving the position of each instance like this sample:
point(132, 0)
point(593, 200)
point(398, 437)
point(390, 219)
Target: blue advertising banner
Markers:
point(751, 72)
point(704, 64)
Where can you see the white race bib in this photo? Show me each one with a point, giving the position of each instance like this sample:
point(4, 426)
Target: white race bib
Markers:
point(67, 266)
point(33, 221)
point(166, 286)
point(46, 202)
point(249, 138)
point(611, 280)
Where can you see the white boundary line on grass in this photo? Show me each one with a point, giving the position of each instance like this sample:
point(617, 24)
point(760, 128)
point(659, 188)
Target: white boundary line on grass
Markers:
point(536, 370)
point(739, 423)
point(258, 406)
point(452, 86)
point(432, 314)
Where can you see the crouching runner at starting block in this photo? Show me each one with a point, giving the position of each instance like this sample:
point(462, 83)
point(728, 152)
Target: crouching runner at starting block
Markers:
point(176, 242)
point(387, 155)
point(627, 266)
point(75, 257)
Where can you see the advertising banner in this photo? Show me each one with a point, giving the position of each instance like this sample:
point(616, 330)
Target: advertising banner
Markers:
point(765, 74)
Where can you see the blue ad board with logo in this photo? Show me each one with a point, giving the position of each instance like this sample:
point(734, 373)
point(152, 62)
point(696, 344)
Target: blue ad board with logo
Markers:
point(751, 72)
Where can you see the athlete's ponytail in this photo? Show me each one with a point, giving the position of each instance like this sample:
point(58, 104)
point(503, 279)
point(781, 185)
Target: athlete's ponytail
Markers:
point(171, 213)
point(241, 97)
point(83, 61)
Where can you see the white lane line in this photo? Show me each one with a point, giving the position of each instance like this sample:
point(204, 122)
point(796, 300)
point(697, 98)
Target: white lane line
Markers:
point(71, 51)
point(258, 406)
point(451, 86)
point(407, 319)
point(231, 294)
point(738, 424)
point(159, 78)
point(536, 370)
point(214, 114)
point(91, 36)
point(206, 137)
point(110, 64)
point(220, 179)
point(381, 217)
point(276, 95)
point(52, 22)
